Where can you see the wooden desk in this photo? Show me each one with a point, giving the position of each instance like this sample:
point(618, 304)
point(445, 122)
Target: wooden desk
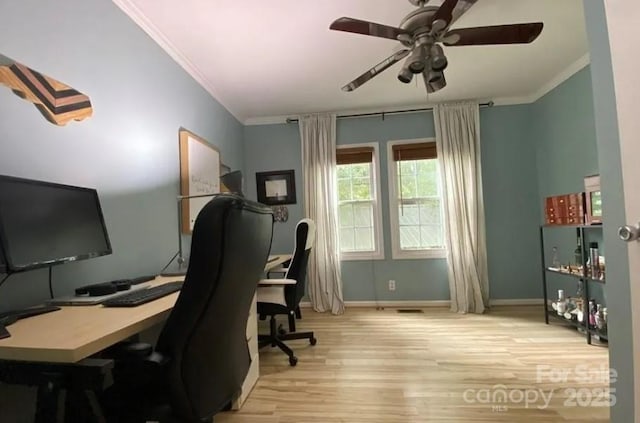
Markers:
point(76, 332)
point(56, 345)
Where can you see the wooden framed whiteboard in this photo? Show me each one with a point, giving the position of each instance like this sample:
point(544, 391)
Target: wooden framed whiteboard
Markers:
point(199, 175)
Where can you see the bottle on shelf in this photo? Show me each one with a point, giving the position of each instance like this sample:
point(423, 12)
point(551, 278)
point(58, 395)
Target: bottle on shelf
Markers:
point(592, 313)
point(561, 305)
point(599, 318)
point(577, 254)
point(555, 262)
point(594, 260)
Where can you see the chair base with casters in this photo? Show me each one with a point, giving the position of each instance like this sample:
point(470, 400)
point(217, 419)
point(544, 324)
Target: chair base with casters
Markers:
point(276, 338)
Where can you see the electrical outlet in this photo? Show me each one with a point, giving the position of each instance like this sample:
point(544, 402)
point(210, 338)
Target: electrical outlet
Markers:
point(392, 285)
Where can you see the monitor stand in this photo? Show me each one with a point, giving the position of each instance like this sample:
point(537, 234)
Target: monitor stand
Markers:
point(180, 269)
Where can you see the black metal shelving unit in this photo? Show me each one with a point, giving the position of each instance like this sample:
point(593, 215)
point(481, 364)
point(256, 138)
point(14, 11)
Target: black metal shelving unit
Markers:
point(584, 277)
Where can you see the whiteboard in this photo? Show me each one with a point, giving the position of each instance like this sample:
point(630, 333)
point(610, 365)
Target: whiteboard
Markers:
point(199, 175)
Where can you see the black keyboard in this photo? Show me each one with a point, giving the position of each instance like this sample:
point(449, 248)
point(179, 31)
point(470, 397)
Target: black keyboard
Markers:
point(142, 296)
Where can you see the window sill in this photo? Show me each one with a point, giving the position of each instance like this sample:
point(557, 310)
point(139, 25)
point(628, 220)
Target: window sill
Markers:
point(363, 256)
point(420, 254)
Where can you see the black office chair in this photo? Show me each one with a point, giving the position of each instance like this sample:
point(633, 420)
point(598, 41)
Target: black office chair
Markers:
point(279, 299)
point(201, 357)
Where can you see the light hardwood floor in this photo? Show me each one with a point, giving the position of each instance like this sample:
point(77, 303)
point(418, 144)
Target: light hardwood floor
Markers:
point(384, 366)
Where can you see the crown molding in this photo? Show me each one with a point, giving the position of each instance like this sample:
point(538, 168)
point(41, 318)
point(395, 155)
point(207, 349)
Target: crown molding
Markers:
point(131, 10)
point(561, 77)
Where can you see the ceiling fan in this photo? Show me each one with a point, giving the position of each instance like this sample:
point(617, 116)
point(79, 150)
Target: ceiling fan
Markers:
point(422, 34)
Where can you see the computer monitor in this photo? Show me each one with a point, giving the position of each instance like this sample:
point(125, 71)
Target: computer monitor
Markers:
point(42, 224)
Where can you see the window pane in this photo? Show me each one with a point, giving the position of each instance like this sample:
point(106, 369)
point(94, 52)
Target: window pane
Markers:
point(364, 239)
point(407, 167)
point(360, 170)
point(431, 236)
point(363, 215)
point(344, 171)
point(356, 200)
point(409, 237)
point(426, 167)
point(346, 239)
point(420, 218)
point(409, 215)
point(408, 186)
point(361, 189)
point(430, 212)
point(345, 215)
point(344, 189)
point(427, 184)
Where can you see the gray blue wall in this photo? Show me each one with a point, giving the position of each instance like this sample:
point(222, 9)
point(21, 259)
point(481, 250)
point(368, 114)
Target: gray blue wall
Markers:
point(510, 183)
point(565, 136)
point(618, 289)
point(128, 150)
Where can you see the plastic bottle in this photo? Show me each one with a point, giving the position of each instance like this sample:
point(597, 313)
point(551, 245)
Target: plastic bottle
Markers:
point(594, 260)
point(561, 307)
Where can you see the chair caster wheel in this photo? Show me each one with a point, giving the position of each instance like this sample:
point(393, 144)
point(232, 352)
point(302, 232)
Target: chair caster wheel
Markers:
point(293, 360)
point(313, 341)
point(281, 330)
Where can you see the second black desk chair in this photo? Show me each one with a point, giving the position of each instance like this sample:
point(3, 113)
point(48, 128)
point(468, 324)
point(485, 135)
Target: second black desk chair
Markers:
point(284, 299)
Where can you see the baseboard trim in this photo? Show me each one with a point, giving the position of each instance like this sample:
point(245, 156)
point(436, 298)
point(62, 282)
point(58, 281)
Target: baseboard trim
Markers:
point(519, 302)
point(430, 303)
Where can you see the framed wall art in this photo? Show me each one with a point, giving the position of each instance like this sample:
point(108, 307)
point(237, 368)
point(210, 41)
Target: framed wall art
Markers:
point(276, 188)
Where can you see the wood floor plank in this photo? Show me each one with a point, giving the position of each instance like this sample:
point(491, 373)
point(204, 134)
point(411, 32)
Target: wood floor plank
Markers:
point(383, 366)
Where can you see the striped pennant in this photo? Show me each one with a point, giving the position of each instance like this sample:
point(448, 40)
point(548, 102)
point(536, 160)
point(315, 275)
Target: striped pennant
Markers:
point(57, 102)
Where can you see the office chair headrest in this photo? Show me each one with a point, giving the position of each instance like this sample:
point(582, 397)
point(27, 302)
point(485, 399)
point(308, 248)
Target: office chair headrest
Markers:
point(311, 232)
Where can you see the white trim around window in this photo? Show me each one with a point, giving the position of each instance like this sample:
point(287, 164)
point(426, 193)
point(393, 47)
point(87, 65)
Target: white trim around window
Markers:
point(397, 253)
point(378, 253)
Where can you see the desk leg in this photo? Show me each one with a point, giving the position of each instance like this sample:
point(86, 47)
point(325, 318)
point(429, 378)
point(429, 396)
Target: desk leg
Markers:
point(66, 392)
point(48, 402)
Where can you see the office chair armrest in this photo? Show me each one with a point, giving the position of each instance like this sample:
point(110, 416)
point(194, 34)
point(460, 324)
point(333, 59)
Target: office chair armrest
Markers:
point(139, 351)
point(157, 359)
point(130, 351)
point(281, 269)
point(264, 282)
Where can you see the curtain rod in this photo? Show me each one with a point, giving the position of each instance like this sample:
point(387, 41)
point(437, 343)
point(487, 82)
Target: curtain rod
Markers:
point(395, 112)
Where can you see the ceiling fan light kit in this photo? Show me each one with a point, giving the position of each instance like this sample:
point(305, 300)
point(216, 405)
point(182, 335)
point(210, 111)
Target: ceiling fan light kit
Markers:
point(422, 34)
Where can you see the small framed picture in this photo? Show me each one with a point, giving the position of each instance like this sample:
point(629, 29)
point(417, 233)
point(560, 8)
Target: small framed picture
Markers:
point(275, 188)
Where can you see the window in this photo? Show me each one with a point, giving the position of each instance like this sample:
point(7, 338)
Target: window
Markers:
point(359, 202)
point(417, 229)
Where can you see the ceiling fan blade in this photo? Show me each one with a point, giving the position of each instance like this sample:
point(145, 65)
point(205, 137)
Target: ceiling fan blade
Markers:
point(443, 16)
point(499, 34)
point(461, 9)
point(357, 26)
point(376, 70)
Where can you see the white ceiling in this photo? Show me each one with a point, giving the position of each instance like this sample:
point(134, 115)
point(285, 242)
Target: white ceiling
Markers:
point(266, 58)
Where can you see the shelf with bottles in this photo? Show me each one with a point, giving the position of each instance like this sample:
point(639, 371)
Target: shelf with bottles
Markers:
point(573, 309)
point(575, 272)
point(582, 262)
